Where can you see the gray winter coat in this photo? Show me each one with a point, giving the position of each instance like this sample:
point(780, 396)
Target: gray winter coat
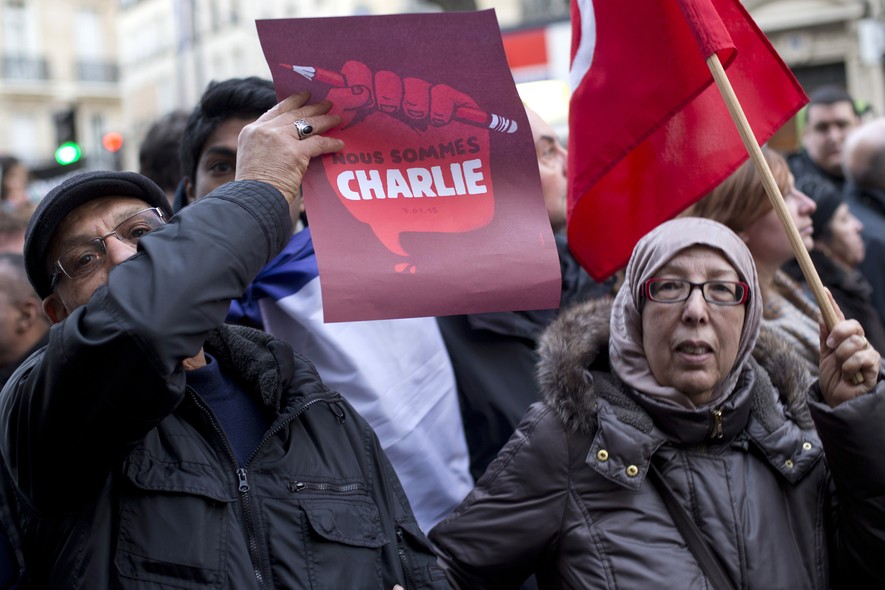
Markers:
point(569, 499)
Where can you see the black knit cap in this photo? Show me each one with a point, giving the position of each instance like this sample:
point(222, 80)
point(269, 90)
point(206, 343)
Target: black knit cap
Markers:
point(827, 199)
point(67, 196)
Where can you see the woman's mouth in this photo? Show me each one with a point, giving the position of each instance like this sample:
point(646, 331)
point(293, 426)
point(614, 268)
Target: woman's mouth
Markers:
point(694, 352)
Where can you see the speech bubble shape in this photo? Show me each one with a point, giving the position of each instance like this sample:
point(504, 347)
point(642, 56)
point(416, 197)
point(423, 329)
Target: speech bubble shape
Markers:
point(398, 177)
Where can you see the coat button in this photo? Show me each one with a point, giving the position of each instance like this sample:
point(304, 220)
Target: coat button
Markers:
point(806, 445)
point(788, 463)
point(602, 455)
point(632, 471)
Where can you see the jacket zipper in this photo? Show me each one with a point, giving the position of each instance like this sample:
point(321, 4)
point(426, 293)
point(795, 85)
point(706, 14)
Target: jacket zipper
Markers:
point(408, 580)
point(243, 488)
point(718, 427)
point(279, 426)
point(249, 521)
point(242, 476)
point(300, 486)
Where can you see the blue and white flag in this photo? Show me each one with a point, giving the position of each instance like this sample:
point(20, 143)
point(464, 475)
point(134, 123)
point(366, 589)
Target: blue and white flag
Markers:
point(396, 373)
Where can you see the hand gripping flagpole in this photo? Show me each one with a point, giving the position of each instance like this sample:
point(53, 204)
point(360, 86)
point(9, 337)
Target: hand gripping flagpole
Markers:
point(774, 195)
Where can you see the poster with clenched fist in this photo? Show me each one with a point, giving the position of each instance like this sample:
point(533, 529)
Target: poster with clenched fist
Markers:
point(434, 207)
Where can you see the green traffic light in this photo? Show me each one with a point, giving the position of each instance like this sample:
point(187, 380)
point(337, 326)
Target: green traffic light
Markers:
point(67, 153)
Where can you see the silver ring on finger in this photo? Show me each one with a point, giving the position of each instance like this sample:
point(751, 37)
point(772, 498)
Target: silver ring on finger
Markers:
point(303, 128)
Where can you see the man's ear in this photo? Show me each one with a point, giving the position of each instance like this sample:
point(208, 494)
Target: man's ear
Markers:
point(55, 308)
point(30, 312)
point(188, 191)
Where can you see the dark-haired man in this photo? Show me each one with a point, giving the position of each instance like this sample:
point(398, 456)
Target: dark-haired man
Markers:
point(158, 152)
point(396, 373)
point(830, 116)
point(151, 446)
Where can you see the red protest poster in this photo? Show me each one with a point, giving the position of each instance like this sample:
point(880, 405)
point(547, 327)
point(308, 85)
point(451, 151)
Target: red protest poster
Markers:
point(435, 205)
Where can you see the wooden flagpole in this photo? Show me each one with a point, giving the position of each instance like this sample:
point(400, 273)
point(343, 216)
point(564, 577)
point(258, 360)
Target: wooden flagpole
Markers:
point(774, 195)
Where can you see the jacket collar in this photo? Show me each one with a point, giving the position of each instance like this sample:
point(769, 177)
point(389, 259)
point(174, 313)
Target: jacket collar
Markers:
point(266, 367)
point(845, 279)
point(576, 382)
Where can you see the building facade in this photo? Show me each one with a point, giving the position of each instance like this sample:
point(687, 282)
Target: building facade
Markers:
point(58, 71)
point(119, 65)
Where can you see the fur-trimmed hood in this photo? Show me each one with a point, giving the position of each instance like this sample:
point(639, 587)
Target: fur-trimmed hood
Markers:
point(576, 344)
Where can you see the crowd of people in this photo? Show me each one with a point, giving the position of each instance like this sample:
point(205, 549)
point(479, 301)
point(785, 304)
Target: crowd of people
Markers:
point(175, 412)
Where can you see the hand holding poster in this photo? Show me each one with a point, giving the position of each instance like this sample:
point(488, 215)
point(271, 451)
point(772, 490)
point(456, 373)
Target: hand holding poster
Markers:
point(434, 207)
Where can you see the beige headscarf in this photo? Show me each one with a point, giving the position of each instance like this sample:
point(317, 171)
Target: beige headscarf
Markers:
point(653, 251)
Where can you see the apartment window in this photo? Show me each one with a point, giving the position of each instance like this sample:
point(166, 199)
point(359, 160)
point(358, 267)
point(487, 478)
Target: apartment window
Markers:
point(92, 65)
point(19, 29)
point(214, 16)
point(21, 59)
point(90, 40)
point(22, 138)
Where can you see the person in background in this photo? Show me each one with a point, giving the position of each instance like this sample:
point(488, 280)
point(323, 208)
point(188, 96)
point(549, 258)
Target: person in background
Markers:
point(148, 444)
point(14, 180)
point(493, 354)
point(24, 328)
point(396, 373)
point(12, 228)
point(158, 153)
point(865, 195)
point(837, 253)
point(742, 204)
point(671, 411)
point(829, 116)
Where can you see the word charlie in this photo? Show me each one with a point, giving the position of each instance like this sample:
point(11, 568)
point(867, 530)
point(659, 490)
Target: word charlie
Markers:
point(457, 178)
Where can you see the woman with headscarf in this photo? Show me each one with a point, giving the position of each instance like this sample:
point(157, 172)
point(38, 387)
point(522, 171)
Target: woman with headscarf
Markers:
point(742, 204)
point(671, 396)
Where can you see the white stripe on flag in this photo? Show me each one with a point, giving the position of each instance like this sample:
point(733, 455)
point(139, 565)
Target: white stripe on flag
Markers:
point(586, 46)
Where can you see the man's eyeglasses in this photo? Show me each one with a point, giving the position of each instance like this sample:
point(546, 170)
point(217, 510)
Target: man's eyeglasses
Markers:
point(86, 258)
point(715, 292)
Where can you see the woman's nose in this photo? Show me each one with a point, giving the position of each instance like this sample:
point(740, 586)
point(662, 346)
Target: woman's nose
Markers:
point(858, 224)
point(806, 204)
point(695, 307)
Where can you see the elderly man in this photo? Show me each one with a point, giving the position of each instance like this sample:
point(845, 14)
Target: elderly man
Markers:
point(865, 194)
point(830, 116)
point(151, 446)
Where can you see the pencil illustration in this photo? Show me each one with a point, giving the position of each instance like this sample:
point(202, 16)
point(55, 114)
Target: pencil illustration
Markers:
point(473, 116)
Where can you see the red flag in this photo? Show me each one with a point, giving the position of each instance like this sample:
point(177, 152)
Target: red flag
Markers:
point(649, 132)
